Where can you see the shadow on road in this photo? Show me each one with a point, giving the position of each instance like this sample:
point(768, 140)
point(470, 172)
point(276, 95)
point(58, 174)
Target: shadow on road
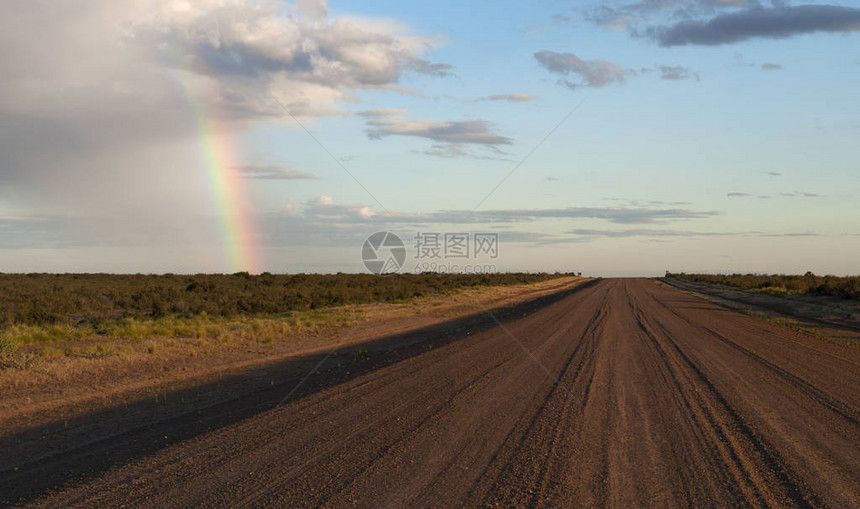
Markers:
point(79, 449)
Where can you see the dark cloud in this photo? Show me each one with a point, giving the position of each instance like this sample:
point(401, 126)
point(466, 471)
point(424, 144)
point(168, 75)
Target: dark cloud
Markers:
point(426, 67)
point(688, 7)
point(592, 73)
point(599, 73)
point(738, 195)
point(624, 16)
point(772, 23)
point(800, 195)
point(771, 67)
point(454, 139)
point(381, 123)
point(774, 174)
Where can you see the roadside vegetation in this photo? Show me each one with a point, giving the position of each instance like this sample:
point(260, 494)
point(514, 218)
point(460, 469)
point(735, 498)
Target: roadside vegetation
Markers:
point(42, 299)
point(780, 284)
point(95, 315)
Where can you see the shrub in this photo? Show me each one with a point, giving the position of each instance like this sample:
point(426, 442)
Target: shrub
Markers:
point(847, 287)
point(105, 299)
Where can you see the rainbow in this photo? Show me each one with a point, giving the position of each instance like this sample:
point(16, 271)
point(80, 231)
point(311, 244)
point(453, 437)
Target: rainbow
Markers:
point(236, 224)
point(237, 232)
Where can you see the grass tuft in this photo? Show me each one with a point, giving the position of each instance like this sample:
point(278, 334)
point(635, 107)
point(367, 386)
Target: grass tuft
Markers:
point(8, 346)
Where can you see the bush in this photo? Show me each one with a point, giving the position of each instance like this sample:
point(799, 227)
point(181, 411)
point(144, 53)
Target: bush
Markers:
point(847, 287)
point(105, 299)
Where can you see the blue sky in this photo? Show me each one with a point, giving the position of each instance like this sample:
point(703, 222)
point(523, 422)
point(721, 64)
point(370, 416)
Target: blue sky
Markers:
point(636, 137)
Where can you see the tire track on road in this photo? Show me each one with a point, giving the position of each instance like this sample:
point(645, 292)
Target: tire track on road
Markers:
point(653, 399)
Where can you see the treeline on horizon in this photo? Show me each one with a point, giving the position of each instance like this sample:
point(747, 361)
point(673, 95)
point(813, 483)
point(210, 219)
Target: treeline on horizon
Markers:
point(839, 286)
point(38, 299)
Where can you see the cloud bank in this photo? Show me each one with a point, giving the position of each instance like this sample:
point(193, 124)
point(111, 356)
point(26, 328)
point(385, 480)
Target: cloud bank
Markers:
point(758, 22)
point(106, 107)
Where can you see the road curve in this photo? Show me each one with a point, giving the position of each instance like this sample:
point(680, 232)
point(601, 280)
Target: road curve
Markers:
point(623, 393)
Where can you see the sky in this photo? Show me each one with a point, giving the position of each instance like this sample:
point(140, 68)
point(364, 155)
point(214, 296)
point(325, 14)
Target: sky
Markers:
point(604, 137)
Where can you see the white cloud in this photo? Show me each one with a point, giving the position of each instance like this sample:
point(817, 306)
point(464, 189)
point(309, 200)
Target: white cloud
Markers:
point(247, 55)
point(516, 97)
point(383, 112)
point(272, 172)
point(611, 19)
point(313, 8)
point(323, 208)
point(456, 150)
point(676, 72)
point(103, 104)
point(322, 221)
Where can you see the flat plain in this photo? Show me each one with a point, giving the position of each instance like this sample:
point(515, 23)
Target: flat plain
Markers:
point(613, 392)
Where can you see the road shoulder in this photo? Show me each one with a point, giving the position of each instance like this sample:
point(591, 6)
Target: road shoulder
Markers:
point(829, 318)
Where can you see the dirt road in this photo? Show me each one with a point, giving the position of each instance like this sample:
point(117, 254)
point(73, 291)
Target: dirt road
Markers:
point(621, 393)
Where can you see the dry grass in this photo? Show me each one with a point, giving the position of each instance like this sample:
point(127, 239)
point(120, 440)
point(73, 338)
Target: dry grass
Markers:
point(23, 346)
point(97, 316)
point(69, 299)
point(139, 359)
point(801, 315)
point(782, 284)
point(132, 336)
point(8, 345)
point(11, 355)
